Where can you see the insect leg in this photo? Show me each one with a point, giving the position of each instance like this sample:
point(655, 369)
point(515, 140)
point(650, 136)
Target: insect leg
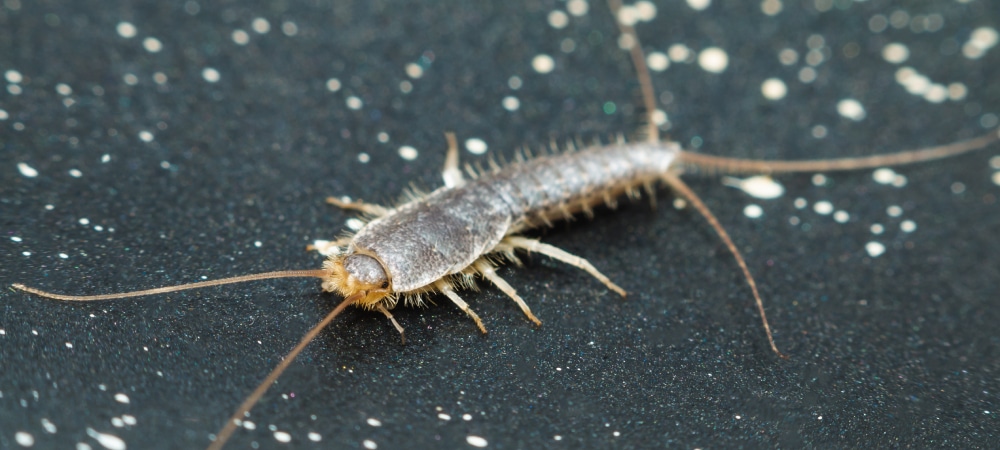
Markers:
point(445, 288)
point(328, 248)
point(388, 315)
point(358, 205)
point(452, 176)
point(682, 188)
point(558, 254)
point(488, 272)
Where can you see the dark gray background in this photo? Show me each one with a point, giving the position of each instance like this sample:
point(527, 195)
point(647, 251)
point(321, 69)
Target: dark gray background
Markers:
point(682, 362)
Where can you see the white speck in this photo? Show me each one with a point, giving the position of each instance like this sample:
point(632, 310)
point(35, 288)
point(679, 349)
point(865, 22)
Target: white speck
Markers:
point(511, 103)
point(558, 19)
point(475, 146)
point(260, 25)
point(877, 229)
point(122, 398)
point(957, 91)
point(364, 157)
point(82, 446)
point(761, 186)
point(152, 45)
point(24, 438)
point(823, 207)
point(884, 175)
point(899, 180)
point(773, 89)
point(27, 170)
point(543, 63)
point(109, 441)
point(354, 103)
point(126, 30)
point(164, 164)
point(444, 417)
point(753, 211)
point(129, 419)
point(841, 216)
point(957, 187)
point(369, 444)
point(63, 256)
point(249, 425)
point(679, 203)
point(26, 253)
point(289, 28)
point(800, 203)
point(996, 178)
point(258, 244)
point(14, 89)
point(63, 89)
point(240, 37)
point(145, 136)
point(981, 40)
point(658, 61)
point(4, 115)
point(374, 422)
point(48, 426)
point(75, 173)
point(646, 10)
point(405, 86)
point(408, 153)
point(355, 223)
point(577, 7)
point(15, 239)
point(476, 441)
point(333, 85)
point(130, 79)
point(908, 226)
point(771, 7)
point(819, 179)
point(117, 422)
point(699, 5)
point(314, 436)
point(282, 436)
point(874, 249)
point(84, 221)
point(894, 211)
point(895, 53)
point(414, 70)
point(713, 59)
point(13, 76)
point(210, 75)
point(851, 109)
point(515, 82)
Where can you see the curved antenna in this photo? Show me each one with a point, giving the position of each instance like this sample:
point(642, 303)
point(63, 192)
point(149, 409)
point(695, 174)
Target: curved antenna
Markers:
point(682, 188)
point(641, 70)
point(721, 164)
point(244, 409)
point(182, 287)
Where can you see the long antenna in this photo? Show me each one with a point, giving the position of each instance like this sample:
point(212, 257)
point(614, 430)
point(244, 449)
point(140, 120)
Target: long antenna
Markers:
point(183, 287)
point(223, 435)
point(721, 164)
point(642, 72)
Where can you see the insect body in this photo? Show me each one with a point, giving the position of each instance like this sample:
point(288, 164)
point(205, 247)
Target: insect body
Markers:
point(418, 246)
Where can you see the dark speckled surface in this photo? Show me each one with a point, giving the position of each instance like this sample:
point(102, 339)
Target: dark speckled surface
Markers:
point(896, 350)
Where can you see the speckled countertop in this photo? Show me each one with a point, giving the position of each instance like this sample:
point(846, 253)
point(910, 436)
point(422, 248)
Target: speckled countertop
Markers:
point(154, 143)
